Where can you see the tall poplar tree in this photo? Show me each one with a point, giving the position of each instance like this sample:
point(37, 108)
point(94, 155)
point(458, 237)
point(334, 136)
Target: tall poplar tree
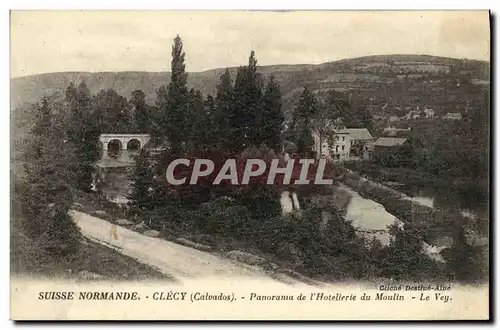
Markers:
point(176, 105)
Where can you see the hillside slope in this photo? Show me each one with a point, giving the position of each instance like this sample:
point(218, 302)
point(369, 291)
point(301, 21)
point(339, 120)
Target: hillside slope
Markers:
point(364, 77)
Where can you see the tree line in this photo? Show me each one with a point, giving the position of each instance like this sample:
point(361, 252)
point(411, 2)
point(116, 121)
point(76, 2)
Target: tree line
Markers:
point(243, 113)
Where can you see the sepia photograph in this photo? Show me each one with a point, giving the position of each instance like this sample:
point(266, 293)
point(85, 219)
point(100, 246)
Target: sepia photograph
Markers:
point(250, 165)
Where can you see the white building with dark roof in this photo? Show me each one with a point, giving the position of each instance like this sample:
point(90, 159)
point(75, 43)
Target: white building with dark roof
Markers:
point(344, 144)
point(336, 146)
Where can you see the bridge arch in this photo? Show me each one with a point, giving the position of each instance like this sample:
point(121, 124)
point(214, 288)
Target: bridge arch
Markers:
point(115, 145)
point(134, 145)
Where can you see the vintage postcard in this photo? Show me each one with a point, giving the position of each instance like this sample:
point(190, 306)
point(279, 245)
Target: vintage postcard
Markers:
point(250, 165)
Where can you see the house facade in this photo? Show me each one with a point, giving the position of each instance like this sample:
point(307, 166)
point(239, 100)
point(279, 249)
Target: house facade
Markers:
point(361, 142)
point(344, 144)
point(337, 146)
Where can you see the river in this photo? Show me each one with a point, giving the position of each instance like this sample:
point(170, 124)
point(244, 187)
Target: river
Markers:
point(115, 170)
point(469, 196)
point(434, 202)
point(369, 217)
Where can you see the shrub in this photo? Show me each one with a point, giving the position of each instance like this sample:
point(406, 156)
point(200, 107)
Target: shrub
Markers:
point(224, 217)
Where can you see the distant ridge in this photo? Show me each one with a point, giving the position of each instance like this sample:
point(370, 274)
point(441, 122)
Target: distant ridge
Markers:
point(346, 74)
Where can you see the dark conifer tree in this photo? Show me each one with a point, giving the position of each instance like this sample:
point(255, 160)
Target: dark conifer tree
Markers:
point(271, 123)
point(248, 105)
point(202, 124)
point(141, 112)
point(224, 114)
point(113, 112)
point(140, 198)
point(302, 119)
point(83, 132)
point(158, 115)
point(210, 111)
point(47, 194)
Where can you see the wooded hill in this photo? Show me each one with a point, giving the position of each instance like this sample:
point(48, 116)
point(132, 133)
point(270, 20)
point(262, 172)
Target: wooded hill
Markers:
point(372, 81)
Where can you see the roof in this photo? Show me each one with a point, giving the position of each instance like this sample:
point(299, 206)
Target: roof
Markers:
point(390, 142)
point(357, 133)
point(454, 114)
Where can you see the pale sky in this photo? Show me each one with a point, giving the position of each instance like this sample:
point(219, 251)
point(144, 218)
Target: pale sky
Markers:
point(55, 41)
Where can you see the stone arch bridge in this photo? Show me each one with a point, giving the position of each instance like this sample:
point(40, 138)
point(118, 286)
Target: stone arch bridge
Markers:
point(119, 149)
point(125, 141)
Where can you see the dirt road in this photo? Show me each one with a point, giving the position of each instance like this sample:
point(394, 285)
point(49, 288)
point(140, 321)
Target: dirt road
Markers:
point(173, 259)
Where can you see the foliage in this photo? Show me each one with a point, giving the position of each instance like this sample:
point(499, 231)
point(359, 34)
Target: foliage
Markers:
point(174, 104)
point(224, 114)
point(247, 106)
point(448, 149)
point(83, 132)
point(466, 263)
point(303, 115)
point(404, 258)
point(201, 122)
point(45, 191)
point(271, 122)
point(141, 197)
point(221, 216)
point(112, 112)
point(142, 114)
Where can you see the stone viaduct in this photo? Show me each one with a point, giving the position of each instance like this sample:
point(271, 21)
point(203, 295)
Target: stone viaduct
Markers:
point(121, 147)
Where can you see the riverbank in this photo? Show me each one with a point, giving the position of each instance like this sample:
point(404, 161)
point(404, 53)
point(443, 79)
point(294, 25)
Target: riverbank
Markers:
point(471, 196)
point(437, 223)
